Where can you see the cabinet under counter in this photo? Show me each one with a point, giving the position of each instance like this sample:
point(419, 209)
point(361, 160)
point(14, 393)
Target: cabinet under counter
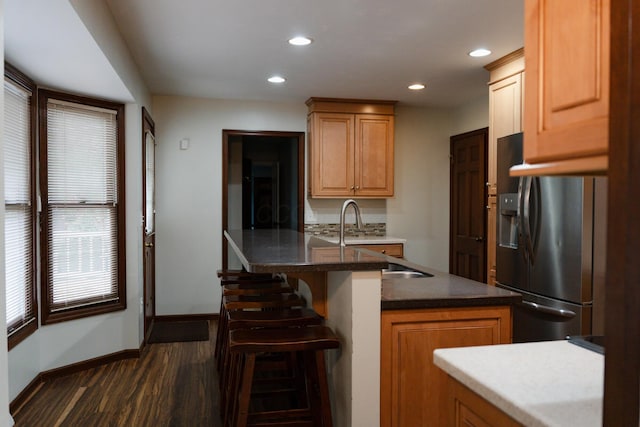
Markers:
point(548, 383)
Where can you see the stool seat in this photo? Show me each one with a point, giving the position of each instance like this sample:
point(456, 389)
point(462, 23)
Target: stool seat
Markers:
point(273, 319)
point(260, 288)
point(282, 340)
point(243, 302)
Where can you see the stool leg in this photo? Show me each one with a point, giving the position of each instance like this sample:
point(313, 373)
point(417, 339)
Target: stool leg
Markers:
point(318, 388)
point(229, 390)
point(219, 330)
point(241, 414)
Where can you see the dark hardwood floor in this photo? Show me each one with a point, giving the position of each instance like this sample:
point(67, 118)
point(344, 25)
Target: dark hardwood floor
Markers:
point(172, 384)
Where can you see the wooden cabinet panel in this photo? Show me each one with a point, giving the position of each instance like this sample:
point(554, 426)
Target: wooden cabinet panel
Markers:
point(468, 409)
point(332, 154)
point(374, 156)
point(351, 148)
point(394, 249)
point(567, 87)
point(413, 389)
point(505, 118)
point(491, 239)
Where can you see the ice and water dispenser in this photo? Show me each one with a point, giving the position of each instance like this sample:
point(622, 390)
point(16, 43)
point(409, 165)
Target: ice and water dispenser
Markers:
point(508, 220)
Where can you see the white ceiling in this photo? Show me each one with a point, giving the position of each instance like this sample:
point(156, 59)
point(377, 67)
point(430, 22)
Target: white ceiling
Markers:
point(368, 49)
point(371, 49)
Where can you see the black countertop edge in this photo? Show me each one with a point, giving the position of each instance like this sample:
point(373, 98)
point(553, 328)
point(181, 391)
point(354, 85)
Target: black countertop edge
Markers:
point(302, 268)
point(448, 302)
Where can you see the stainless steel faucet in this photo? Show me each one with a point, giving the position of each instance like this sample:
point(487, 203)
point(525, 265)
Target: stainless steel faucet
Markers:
point(356, 209)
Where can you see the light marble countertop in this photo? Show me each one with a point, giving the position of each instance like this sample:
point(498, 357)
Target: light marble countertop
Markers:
point(550, 383)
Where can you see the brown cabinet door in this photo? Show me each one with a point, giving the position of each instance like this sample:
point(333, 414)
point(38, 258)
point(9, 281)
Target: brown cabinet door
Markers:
point(392, 249)
point(374, 155)
point(332, 154)
point(414, 390)
point(567, 84)
point(468, 409)
point(505, 118)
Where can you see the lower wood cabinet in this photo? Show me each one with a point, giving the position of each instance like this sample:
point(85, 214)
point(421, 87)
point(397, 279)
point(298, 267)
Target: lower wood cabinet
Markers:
point(414, 390)
point(468, 409)
point(391, 249)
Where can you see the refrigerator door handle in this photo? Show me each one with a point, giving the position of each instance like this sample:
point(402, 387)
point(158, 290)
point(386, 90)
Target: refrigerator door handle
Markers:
point(534, 192)
point(526, 218)
point(521, 225)
point(549, 310)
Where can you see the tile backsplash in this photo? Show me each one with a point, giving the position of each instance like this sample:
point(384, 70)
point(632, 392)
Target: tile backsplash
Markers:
point(369, 229)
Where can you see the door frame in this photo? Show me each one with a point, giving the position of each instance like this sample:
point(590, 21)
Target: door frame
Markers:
point(226, 134)
point(148, 125)
point(453, 205)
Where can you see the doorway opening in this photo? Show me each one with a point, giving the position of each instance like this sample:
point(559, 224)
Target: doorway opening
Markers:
point(263, 182)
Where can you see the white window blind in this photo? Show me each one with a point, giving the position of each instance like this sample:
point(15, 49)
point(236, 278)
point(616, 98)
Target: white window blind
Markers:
point(18, 223)
point(82, 199)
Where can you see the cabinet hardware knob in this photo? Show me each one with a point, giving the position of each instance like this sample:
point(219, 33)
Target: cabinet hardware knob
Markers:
point(384, 251)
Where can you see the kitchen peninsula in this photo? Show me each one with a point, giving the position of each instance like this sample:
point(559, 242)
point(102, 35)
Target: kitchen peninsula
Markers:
point(345, 286)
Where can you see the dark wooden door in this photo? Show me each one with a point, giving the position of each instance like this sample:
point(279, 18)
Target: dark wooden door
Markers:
point(468, 236)
point(149, 223)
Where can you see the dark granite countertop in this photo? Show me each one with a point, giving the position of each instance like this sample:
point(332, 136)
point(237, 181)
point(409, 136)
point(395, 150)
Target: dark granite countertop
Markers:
point(288, 251)
point(439, 290)
point(442, 290)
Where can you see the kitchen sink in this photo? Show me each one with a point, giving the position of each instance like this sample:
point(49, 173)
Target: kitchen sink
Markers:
point(397, 271)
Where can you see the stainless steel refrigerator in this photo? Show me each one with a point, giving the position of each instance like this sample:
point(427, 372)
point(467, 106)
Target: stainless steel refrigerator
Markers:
point(550, 248)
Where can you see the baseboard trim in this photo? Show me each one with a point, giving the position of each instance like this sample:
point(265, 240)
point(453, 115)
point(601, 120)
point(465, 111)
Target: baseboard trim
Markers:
point(32, 388)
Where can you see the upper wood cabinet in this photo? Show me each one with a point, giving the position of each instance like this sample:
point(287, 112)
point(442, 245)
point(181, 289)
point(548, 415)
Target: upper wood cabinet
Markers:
point(505, 105)
point(351, 148)
point(567, 89)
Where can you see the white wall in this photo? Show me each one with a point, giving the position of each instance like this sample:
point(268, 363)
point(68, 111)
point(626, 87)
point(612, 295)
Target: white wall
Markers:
point(189, 186)
point(419, 211)
point(66, 343)
point(471, 116)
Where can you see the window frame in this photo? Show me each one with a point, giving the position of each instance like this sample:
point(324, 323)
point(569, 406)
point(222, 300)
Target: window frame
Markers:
point(27, 327)
point(47, 315)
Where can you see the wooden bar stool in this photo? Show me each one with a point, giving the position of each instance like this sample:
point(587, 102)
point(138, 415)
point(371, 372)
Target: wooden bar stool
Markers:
point(296, 317)
point(270, 302)
point(239, 282)
point(309, 344)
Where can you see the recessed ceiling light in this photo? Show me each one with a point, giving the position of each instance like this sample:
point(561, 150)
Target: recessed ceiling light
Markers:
point(416, 86)
point(479, 53)
point(276, 79)
point(300, 41)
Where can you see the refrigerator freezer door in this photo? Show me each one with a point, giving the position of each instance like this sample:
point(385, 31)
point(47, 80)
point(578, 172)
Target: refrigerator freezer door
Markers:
point(511, 262)
point(541, 319)
point(561, 224)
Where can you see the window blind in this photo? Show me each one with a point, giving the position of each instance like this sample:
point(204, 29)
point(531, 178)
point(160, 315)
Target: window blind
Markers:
point(82, 200)
point(19, 212)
